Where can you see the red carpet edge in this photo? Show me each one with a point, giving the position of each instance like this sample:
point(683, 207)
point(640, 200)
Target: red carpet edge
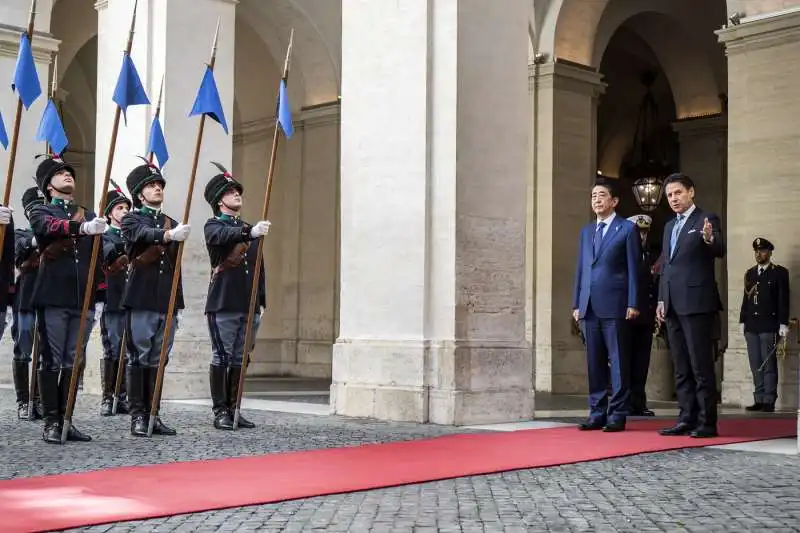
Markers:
point(155, 491)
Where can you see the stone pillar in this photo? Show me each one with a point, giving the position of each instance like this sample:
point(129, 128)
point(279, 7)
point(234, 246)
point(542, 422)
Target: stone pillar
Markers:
point(566, 97)
point(703, 156)
point(173, 37)
point(434, 138)
point(763, 128)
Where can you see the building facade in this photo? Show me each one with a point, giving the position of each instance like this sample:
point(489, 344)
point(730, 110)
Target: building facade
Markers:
point(425, 215)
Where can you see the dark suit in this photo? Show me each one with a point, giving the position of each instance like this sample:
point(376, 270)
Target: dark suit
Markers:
point(691, 300)
point(606, 285)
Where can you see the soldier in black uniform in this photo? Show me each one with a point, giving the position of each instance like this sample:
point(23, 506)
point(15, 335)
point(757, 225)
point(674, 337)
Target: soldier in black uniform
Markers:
point(63, 233)
point(643, 326)
point(763, 318)
point(232, 248)
point(112, 321)
point(24, 317)
point(151, 244)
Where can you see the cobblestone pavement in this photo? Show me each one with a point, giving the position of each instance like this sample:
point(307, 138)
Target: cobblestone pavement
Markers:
point(700, 490)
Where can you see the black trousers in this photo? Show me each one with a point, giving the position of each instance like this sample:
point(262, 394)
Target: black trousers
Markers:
point(692, 349)
point(641, 338)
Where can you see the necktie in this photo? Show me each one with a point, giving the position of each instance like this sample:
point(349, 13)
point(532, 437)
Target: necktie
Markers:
point(598, 237)
point(675, 232)
point(760, 271)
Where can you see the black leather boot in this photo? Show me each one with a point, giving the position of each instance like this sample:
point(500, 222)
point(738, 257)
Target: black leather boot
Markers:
point(134, 377)
point(122, 403)
point(234, 372)
point(218, 381)
point(159, 427)
point(73, 434)
point(38, 412)
point(48, 389)
point(108, 381)
point(19, 370)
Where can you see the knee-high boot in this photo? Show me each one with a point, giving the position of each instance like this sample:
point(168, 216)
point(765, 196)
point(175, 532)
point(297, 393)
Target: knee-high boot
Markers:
point(21, 384)
point(134, 376)
point(48, 390)
point(73, 434)
point(234, 372)
point(107, 381)
point(159, 428)
point(218, 382)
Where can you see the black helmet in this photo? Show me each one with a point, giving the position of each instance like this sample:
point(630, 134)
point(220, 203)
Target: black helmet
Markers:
point(115, 197)
point(219, 185)
point(142, 176)
point(49, 168)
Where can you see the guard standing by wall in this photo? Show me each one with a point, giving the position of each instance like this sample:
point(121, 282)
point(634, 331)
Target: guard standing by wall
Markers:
point(112, 321)
point(232, 248)
point(26, 257)
point(643, 326)
point(63, 232)
point(151, 243)
point(763, 318)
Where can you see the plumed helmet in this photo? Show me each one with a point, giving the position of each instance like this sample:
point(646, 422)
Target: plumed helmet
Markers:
point(219, 185)
point(115, 197)
point(32, 196)
point(49, 168)
point(142, 176)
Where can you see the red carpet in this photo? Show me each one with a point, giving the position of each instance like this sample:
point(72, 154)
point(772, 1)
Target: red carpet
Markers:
point(134, 493)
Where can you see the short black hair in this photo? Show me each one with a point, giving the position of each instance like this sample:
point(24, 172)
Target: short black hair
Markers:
point(677, 177)
point(607, 184)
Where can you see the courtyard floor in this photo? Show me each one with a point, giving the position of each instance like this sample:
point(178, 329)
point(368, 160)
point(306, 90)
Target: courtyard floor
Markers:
point(735, 488)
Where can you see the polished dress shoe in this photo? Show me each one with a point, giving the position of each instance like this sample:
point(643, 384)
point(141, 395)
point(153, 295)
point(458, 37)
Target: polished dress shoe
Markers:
point(591, 425)
point(767, 407)
point(704, 433)
point(681, 428)
point(614, 427)
point(755, 407)
point(643, 412)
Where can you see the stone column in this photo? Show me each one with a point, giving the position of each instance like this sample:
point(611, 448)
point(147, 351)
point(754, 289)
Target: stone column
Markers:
point(173, 37)
point(566, 98)
point(434, 138)
point(763, 128)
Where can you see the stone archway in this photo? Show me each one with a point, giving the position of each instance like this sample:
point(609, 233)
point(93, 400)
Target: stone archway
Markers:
point(301, 253)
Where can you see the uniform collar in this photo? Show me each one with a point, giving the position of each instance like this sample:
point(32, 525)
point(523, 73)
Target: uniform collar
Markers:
point(61, 202)
point(149, 211)
point(229, 218)
point(115, 230)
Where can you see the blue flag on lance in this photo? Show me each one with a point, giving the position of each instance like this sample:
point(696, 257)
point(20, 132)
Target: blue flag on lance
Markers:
point(129, 90)
point(157, 143)
point(3, 133)
point(285, 111)
point(207, 101)
point(51, 130)
point(26, 79)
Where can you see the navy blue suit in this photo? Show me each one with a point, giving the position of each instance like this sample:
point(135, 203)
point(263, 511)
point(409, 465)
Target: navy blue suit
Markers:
point(606, 285)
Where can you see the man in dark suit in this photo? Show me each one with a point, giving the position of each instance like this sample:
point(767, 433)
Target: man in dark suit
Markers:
point(688, 301)
point(763, 318)
point(604, 299)
point(642, 328)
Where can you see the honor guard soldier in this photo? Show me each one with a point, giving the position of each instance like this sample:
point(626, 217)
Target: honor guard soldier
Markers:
point(232, 248)
point(26, 255)
point(63, 232)
point(112, 321)
point(643, 326)
point(151, 242)
point(763, 318)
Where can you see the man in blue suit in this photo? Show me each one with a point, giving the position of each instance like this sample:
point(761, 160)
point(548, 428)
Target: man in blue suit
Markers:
point(605, 299)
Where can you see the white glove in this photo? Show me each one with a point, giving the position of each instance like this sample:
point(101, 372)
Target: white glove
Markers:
point(741, 329)
point(33, 242)
point(98, 308)
point(180, 233)
point(260, 229)
point(96, 226)
point(260, 312)
point(178, 319)
point(5, 215)
point(783, 330)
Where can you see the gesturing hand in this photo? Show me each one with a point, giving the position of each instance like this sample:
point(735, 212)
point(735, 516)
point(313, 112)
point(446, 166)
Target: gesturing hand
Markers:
point(708, 231)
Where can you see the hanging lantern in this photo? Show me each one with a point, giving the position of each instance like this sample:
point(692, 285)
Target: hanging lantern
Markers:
point(648, 192)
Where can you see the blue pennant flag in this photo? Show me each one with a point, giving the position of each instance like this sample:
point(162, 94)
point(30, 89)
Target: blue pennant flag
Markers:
point(51, 130)
point(3, 133)
point(157, 143)
point(207, 101)
point(26, 79)
point(285, 111)
point(129, 90)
